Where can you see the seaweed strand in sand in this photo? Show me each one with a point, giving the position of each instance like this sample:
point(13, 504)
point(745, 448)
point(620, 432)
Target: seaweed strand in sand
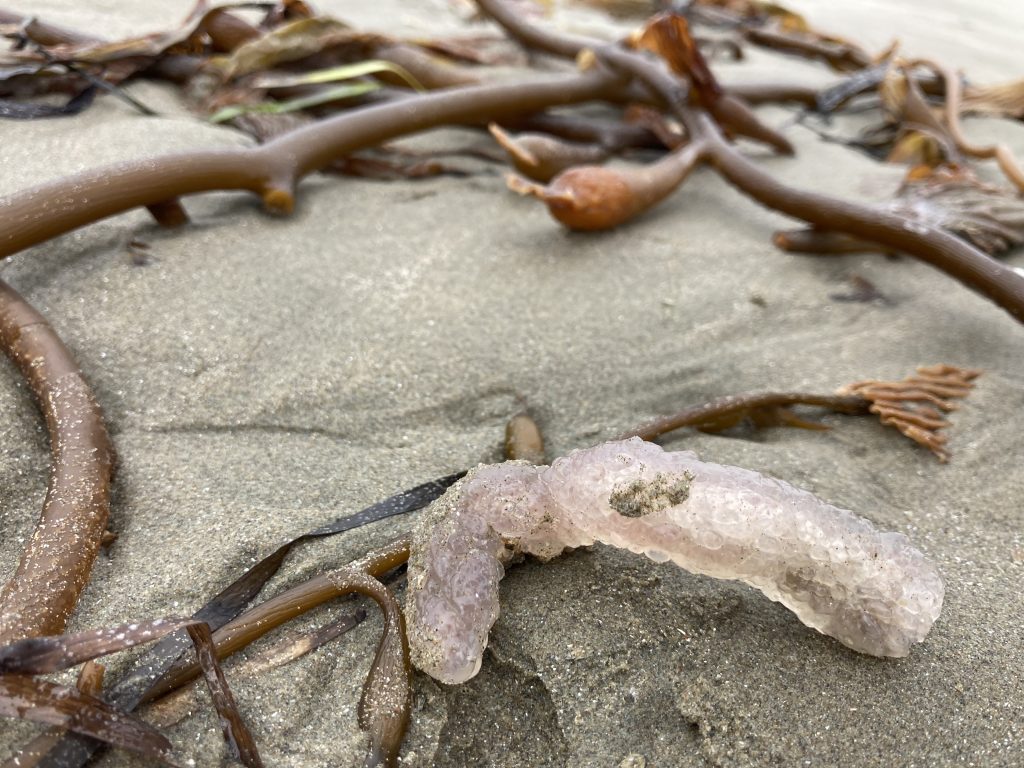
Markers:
point(56, 562)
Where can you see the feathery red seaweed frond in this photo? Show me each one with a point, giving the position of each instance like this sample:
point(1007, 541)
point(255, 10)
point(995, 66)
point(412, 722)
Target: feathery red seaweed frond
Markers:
point(917, 405)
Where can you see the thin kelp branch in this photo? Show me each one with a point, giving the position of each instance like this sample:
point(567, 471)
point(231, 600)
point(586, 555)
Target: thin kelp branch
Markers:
point(58, 558)
point(178, 705)
point(840, 55)
point(821, 242)
point(950, 197)
point(760, 408)
point(930, 244)
point(257, 621)
point(384, 708)
point(541, 157)
point(272, 170)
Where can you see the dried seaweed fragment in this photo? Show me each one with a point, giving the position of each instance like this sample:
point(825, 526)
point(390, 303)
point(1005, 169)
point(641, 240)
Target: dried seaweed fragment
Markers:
point(999, 100)
point(28, 698)
point(916, 405)
point(43, 702)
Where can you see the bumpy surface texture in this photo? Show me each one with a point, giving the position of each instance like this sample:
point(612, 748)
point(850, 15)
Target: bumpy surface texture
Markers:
point(869, 589)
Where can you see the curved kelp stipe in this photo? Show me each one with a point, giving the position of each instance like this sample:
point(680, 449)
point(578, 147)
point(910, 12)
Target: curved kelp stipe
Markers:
point(57, 561)
point(385, 704)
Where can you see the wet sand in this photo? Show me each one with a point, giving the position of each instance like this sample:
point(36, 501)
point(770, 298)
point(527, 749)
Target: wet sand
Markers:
point(261, 376)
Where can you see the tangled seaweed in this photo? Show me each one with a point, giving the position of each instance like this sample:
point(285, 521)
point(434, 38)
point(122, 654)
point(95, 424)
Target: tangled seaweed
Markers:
point(662, 67)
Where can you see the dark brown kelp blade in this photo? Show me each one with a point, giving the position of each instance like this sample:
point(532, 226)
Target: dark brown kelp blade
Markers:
point(45, 702)
point(40, 655)
point(52, 654)
point(25, 110)
point(668, 36)
point(917, 405)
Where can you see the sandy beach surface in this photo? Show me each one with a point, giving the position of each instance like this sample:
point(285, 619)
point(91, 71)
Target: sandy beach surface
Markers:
point(261, 376)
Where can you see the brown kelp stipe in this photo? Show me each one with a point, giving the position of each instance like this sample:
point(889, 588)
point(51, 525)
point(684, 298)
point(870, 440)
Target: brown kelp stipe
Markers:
point(889, 230)
point(914, 406)
point(760, 409)
point(385, 704)
point(57, 560)
point(523, 440)
point(273, 169)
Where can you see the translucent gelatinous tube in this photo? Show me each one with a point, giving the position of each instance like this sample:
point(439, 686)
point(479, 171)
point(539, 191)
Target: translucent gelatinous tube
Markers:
point(871, 590)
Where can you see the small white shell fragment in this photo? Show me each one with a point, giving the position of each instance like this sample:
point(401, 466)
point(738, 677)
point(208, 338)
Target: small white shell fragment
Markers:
point(871, 590)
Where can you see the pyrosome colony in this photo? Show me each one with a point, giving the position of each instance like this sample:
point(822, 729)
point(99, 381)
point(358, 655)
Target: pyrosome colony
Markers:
point(871, 590)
